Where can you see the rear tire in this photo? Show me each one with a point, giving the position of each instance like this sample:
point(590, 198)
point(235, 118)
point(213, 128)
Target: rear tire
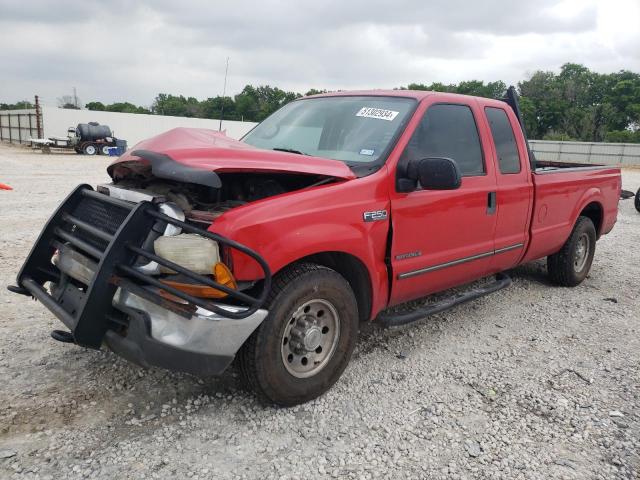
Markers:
point(637, 200)
point(571, 265)
point(104, 149)
point(305, 343)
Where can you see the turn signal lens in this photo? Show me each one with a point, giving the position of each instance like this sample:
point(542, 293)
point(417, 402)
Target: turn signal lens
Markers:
point(222, 275)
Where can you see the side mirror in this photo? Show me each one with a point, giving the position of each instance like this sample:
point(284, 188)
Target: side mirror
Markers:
point(434, 173)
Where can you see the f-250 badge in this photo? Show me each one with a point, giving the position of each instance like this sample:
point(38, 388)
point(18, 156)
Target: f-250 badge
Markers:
point(375, 215)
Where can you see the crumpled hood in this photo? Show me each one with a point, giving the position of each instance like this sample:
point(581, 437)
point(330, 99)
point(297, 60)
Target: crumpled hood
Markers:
point(210, 150)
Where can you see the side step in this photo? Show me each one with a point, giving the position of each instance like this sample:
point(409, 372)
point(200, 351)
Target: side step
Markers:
point(398, 319)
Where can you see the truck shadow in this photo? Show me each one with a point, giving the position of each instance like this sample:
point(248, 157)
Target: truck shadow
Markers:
point(77, 382)
point(374, 337)
point(534, 271)
point(85, 387)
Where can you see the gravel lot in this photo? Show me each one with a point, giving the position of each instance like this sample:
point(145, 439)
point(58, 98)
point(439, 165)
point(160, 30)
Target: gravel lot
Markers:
point(532, 382)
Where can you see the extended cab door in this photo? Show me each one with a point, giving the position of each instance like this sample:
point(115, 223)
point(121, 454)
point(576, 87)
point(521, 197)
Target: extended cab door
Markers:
point(444, 238)
point(514, 193)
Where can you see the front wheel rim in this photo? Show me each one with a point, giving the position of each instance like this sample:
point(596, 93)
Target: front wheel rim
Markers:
point(582, 252)
point(310, 338)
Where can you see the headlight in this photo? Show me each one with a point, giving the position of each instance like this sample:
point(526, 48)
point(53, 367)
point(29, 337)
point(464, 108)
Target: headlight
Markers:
point(190, 251)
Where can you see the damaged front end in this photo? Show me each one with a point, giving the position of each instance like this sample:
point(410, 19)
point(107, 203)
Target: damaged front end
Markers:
point(128, 269)
point(135, 265)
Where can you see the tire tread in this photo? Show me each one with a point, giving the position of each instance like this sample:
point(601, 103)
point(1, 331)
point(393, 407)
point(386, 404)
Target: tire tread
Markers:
point(560, 264)
point(246, 359)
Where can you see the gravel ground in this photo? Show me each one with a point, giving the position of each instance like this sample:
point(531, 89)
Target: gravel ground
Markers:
point(532, 382)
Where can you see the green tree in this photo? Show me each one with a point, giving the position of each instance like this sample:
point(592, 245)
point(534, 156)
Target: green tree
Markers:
point(575, 103)
point(125, 107)
point(479, 89)
point(178, 106)
point(434, 87)
point(624, 97)
point(580, 104)
point(216, 107)
point(99, 106)
point(545, 107)
point(21, 105)
point(623, 136)
point(314, 91)
point(257, 103)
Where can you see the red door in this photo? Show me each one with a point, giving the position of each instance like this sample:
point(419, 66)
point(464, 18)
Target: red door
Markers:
point(514, 194)
point(444, 238)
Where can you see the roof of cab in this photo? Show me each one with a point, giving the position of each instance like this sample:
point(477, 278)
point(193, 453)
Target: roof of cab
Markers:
point(416, 94)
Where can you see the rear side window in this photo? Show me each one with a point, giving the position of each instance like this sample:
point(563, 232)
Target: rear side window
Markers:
point(448, 130)
point(506, 147)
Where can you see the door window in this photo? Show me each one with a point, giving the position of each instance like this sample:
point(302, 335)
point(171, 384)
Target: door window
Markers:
point(448, 130)
point(504, 140)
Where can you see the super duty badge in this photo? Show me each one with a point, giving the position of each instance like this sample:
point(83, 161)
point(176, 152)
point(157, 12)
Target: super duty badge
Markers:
point(375, 215)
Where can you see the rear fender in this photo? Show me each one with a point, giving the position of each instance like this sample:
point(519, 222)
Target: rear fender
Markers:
point(591, 195)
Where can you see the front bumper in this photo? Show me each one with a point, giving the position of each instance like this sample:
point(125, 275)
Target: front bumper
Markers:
point(204, 344)
point(114, 302)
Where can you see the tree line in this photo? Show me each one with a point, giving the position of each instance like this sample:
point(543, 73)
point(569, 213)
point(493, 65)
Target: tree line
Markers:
point(574, 104)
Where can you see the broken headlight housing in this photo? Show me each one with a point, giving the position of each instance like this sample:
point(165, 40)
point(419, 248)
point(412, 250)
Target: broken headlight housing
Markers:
point(188, 250)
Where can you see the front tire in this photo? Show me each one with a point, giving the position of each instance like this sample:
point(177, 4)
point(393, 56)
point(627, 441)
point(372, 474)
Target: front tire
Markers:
point(637, 200)
point(305, 343)
point(571, 265)
point(89, 149)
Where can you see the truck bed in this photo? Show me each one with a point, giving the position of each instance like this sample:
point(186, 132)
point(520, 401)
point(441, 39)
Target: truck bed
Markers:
point(562, 192)
point(543, 166)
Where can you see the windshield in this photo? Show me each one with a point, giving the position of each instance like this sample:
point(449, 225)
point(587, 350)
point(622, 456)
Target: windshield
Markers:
point(355, 130)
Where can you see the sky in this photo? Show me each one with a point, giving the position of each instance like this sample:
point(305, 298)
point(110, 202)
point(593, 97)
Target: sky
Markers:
point(119, 50)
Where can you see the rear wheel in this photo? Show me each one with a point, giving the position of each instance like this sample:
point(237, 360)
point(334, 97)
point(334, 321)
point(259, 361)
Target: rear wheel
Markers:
point(104, 149)
point(305, 343)
point(571, 265)
point(89, 149)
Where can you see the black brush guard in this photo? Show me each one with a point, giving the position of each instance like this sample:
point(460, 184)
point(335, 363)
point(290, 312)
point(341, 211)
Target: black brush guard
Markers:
point(112, 232)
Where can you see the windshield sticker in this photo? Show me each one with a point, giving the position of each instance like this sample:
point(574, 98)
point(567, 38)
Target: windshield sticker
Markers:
point(379, 113)
point(366, 151)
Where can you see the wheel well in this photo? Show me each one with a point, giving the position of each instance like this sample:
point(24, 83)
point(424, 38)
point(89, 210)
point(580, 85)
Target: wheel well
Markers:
point(354, 272)
point(594, 212)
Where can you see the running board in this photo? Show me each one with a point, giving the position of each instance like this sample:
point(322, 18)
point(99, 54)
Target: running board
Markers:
point(404, 318)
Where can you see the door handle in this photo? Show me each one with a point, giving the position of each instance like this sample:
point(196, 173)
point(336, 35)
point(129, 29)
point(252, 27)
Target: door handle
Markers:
point(491, 203)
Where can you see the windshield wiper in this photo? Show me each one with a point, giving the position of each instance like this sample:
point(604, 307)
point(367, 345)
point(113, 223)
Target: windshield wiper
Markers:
point(289, 150)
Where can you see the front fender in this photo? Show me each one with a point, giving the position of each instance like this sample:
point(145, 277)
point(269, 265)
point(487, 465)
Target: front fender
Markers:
point(331, 218)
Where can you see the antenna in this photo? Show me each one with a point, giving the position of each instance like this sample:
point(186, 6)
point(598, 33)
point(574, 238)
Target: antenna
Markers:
point(224, 91)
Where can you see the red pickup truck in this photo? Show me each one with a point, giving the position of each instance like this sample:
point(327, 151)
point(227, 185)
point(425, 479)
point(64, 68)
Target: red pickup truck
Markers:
point(272, 249)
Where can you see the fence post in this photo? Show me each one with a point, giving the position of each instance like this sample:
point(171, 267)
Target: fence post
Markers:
point(19, 130)
point(38, 117)
point(30, 125)
point(1, 139)
point(559, 150)
point(624, 145)
point(9, 117)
